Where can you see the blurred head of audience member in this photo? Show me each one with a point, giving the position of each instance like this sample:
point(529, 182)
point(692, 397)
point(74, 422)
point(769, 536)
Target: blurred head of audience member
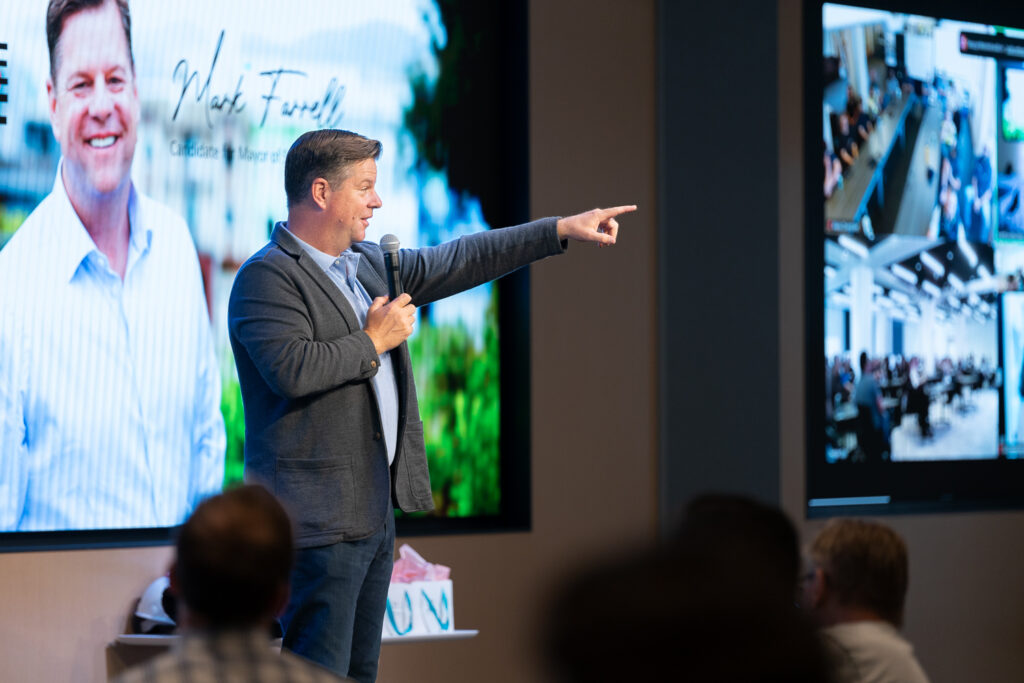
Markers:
point(234, 559)
point(854, 588)
point(844, 124)
point(857, 570)
point(715, 603)
point(731, 534)
point(231, 575)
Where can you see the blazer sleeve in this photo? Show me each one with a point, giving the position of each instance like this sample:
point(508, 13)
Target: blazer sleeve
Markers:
point(433, 273)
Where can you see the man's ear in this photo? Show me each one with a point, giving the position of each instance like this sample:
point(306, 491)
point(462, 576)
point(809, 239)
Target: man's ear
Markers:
point(320, 191)
point(51, 101)
point(281, 597)
point(819, 587)
point(172, 574)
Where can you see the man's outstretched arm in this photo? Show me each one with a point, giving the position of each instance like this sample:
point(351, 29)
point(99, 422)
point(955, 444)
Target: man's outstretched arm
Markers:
point(433, 273)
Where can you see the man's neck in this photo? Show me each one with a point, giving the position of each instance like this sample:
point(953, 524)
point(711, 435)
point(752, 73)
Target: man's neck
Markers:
point(845, 614)
point(192, 622)
point(105, 217)
point(309, 227)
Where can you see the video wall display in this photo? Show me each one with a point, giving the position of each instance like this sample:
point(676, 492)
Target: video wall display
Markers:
point(917, 178)
point(119, 400)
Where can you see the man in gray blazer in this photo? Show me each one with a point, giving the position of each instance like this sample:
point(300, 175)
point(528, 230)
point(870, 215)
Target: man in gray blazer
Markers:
point(332, 423)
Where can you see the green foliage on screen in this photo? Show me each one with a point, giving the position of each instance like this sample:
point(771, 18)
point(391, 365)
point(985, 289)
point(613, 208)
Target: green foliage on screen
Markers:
point(1012, 131)
point(458, 381)
point(234, 425)
point(10, 221)
point(459, 396)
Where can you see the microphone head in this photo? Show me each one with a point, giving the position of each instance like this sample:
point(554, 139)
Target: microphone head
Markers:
point(389, 243)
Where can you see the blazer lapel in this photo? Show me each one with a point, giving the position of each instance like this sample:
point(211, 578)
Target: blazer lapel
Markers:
point(372, 282)
point(288, 243)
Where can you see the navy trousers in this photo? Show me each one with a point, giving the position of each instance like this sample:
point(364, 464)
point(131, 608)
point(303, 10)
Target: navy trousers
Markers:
point(339, 595)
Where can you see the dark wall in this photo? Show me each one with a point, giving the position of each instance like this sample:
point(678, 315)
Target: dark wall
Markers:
point(719, 254)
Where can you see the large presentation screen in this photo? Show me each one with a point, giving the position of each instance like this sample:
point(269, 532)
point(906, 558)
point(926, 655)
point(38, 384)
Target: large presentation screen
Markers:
point(119, 400)
point(914, 193)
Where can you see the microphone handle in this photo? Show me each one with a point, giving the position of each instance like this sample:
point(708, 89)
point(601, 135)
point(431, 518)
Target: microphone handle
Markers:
point(394, 276)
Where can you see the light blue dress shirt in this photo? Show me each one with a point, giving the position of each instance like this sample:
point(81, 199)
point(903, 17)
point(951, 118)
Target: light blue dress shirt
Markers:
point(342, 271)
point(109, 390)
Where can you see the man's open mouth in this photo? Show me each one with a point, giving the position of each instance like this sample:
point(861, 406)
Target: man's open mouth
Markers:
point(103, 142)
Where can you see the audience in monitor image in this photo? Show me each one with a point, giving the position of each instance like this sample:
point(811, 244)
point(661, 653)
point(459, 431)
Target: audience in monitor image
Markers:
point(981, 192)
point(863, 416)
point(873, 420)
point(963, 204)
point(854, 586)
point(851, 129)
point(959, 205)
point(859, 119)
point(950, 225)
point(846, 145)
point(917, 400)
point(833, 170)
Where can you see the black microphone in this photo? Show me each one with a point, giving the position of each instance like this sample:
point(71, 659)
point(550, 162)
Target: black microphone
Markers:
point(389, 243)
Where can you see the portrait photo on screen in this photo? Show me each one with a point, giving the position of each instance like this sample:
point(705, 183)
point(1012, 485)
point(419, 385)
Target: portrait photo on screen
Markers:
point(142, 152)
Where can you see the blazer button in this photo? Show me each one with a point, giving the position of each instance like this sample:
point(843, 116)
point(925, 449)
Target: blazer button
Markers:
point(373, 363)
point(376, 435)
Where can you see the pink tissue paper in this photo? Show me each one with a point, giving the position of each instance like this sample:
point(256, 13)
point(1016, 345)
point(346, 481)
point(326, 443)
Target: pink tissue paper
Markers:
point(410, 566)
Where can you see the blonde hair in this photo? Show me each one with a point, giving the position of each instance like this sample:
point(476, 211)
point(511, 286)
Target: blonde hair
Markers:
point(865, 565)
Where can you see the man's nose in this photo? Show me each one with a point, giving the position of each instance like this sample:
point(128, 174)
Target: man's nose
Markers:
point(375, 202)
point(101, 104)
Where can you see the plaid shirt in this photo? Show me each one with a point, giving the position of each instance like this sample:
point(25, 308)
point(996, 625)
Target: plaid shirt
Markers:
point(229, 656)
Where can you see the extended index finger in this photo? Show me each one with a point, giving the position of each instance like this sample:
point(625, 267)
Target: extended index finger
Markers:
point(616, 210)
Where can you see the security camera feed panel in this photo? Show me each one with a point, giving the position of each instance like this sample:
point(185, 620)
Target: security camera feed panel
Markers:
point(922, 151)
point(142, 158)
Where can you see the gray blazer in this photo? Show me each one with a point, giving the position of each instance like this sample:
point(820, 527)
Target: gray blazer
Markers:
point(313, 433)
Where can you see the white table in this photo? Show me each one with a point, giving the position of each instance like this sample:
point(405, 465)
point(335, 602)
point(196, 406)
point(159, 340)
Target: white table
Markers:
point(168, 640)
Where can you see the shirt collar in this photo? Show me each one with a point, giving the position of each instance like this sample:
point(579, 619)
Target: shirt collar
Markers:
point(140, 234)
point(347, 261)
point(75, 244)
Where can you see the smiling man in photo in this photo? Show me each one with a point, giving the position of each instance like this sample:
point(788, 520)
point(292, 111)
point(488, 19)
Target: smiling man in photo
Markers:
point(109, 388)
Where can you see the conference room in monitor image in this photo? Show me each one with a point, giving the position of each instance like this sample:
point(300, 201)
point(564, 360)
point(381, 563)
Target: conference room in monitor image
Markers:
point(911, 341)
point(1009, 178)
point(912, 198)
point(1011, 259)
point(120, 405)
point(909, 123)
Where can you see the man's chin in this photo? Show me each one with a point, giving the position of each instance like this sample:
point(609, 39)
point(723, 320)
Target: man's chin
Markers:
point(109, 185)
point(102, 181)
